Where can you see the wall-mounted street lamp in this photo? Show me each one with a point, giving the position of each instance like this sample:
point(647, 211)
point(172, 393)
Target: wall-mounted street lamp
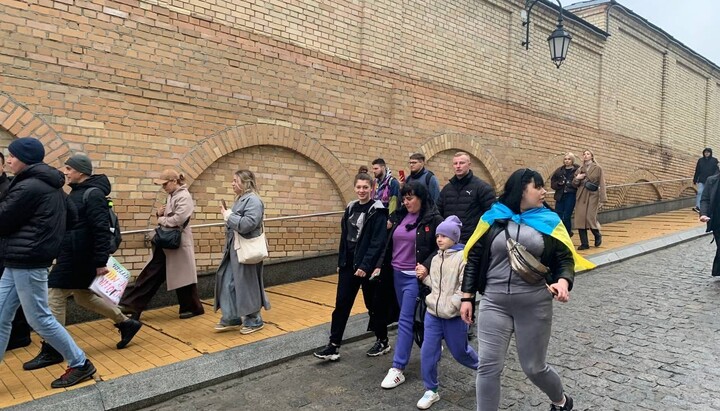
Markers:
point(559, 40)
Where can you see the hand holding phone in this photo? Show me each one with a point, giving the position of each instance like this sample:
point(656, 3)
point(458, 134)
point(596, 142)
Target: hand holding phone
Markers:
point(401, 174)
point(223, 204)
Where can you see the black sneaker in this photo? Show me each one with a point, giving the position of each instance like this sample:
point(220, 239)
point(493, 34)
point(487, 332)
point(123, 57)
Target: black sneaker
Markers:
point(379, 348)
point(128, 329)
point(330, 352)
point(74, 376)
point(47, 356)
point(695, 209)
point(567, 407)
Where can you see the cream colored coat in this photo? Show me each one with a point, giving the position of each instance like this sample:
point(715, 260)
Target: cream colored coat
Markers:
point(180, 263)
point(444, 299)
point(588, 202)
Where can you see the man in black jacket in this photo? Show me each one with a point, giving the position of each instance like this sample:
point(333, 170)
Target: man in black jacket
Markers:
point(706, 166)
point(20, 332)
point(466, 196)
point(32, 225)
point(83, 256)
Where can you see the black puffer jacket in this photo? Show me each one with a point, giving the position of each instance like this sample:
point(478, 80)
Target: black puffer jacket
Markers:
point(4, 184)
point(468, 199)
point(86, 245)
point(555, 256)
point(32, 217)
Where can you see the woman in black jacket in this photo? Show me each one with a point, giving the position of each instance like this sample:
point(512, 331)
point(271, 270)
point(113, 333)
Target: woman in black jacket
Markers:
point(363, 232)
point(565, 191)
point(510, 304)
point(411, 241)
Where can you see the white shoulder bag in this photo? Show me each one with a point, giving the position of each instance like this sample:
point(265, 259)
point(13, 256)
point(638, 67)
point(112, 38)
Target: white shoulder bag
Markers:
point(251, 250)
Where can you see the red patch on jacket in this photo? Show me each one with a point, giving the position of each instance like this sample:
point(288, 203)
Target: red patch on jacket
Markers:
point(427, 229)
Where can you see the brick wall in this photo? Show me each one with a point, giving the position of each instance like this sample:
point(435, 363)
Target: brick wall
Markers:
point(305, 92)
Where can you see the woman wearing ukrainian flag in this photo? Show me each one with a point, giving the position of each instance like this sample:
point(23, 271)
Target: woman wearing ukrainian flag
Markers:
point(509, 303)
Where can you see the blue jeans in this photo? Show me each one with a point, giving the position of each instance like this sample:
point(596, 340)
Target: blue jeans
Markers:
point(454, 332)
point(700, 187)
point(564, 208)
point(406, 291)
point(28, 287)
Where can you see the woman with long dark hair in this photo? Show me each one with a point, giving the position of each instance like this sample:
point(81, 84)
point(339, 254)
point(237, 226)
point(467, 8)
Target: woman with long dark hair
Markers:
point(411, 242)
point(514, 302)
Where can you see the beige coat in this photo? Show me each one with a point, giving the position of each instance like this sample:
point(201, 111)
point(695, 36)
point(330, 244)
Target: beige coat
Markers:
point(444, 299)
point(588, 202)
point(180, 263)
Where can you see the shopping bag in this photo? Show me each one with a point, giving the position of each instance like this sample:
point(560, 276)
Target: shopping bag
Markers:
point(111, 286)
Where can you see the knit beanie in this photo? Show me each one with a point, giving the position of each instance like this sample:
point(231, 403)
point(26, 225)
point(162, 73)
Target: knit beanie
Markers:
point(29, 150)
point(450, 228)
point(81, 163)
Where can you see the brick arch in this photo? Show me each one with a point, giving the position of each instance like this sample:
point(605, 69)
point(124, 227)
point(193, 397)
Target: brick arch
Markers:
point(637, 176)
point(210, 149)
point(19, 122)
point(684, 186)
point(464, 142)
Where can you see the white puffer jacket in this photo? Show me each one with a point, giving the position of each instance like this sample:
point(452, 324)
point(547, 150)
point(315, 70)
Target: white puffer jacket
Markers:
point(445, 279)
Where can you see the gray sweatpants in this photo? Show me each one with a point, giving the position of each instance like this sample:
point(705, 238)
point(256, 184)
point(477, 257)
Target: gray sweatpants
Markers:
point(529, 315)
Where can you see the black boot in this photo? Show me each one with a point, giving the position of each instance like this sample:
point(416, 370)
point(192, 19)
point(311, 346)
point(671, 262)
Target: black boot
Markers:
point(583, 239)
point(598, 237)
point(47, 356)
point(128, 329)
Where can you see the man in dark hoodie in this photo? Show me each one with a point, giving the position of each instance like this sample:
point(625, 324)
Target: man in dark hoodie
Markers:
point(20, 332)
point(32, 226)
point(707, 165)
point(83, 256)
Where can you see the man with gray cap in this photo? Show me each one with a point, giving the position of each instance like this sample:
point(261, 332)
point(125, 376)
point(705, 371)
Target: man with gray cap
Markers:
point(83, 256)
point(32, 226)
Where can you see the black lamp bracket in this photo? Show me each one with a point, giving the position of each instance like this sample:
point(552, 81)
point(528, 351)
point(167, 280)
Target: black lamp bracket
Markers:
point(529, 4)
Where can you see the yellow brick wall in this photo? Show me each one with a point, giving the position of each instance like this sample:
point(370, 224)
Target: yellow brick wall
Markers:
point(304, 92)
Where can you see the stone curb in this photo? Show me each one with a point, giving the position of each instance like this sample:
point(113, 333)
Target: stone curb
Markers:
point(160, 384)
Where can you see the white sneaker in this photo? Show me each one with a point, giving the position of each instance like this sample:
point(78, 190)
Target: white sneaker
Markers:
point(428, 399)
point(393, 378)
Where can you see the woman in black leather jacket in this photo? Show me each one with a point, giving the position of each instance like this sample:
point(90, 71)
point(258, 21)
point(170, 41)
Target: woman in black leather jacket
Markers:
point(509, 303)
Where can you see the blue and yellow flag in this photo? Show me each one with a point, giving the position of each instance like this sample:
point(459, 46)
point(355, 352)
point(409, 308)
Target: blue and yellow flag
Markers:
point(542, 219)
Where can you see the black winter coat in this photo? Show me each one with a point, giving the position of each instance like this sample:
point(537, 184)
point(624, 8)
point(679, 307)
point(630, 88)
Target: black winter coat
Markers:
point(86, 245)
point(468, 199)
point(425, 244)
point(32, 217)
point(371, 241)
point(4, 184)
point(555, 256)
point(705, 168)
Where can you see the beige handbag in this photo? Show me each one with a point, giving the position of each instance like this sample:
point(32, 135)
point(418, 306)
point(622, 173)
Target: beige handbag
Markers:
point(523, 262)
point(251, 250)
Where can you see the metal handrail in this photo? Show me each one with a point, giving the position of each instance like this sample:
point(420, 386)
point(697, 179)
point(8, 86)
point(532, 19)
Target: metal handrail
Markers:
point(328, 213)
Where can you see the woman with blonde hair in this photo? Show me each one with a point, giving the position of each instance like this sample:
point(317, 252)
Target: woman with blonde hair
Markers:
point(176, 266)
point(239, 288)
point(590, 182)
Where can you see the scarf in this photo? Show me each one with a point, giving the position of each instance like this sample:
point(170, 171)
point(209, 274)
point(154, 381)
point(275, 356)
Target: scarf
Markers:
point(542, 219)
point(382, 191)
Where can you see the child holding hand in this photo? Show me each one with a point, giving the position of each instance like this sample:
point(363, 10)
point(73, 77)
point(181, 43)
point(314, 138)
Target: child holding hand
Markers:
point(442, 320)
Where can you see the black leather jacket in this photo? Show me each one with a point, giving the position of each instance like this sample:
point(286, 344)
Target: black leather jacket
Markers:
point(555, 255)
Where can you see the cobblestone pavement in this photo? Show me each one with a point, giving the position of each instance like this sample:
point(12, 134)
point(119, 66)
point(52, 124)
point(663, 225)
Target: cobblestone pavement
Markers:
point(638, 335)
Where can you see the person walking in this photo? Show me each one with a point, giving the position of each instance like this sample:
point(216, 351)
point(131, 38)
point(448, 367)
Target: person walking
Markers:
point(422, 175)
point(590, 183)
point(565, 191)
point(442, 319)
point(386, 188)
point(706, 166)
point(515, 298)
point(20, 330)
point(466, 196)
point(32, 226)
point(83, 256)
point(362, 237)
point(177, 267)
point(239, 288)
point(411, 242)
point(709, 206)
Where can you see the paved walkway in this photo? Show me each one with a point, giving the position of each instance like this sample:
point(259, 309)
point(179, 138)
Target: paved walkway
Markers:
point(639, 335)
point(298, 309)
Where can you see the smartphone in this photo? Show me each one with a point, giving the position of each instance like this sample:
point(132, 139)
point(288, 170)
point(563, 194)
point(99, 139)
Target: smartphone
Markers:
point(401, 173)
point(224, 204)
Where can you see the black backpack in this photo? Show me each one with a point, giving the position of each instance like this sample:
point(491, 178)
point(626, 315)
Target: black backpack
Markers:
point(114, 228)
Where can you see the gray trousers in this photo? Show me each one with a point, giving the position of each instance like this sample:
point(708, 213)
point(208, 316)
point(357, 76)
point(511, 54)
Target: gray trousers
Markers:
point(529, 316)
